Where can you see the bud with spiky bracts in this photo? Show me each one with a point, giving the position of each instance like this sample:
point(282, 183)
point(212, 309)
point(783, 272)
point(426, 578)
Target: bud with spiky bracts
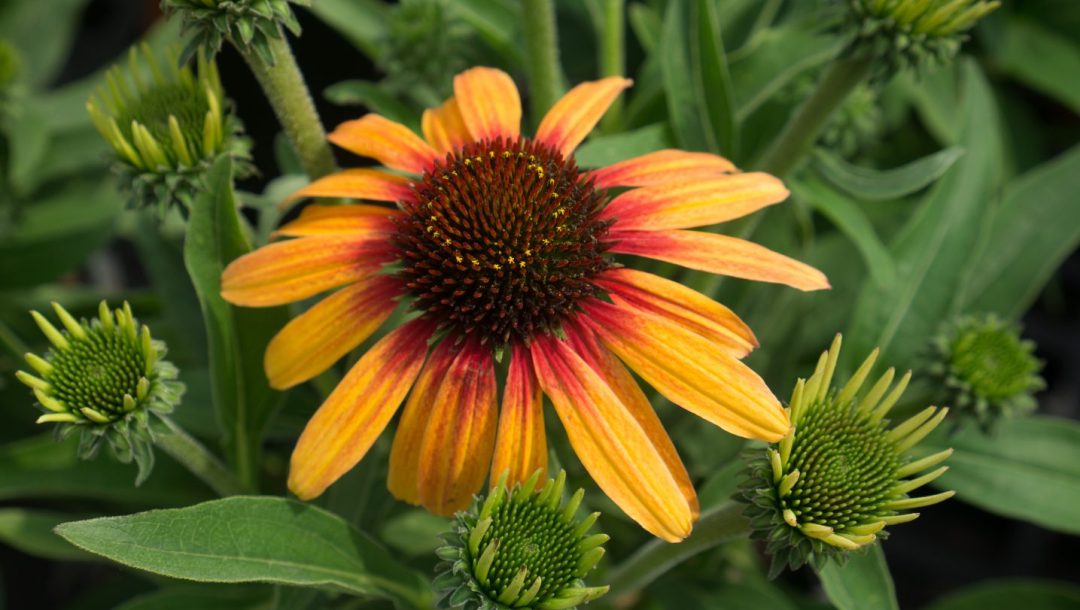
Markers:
point(248, 24)
point(843, 474)
point(520, 548)
point(103, 378)
point(423, 47)
point(167, 125)
point(986, 371)
point(911, 33)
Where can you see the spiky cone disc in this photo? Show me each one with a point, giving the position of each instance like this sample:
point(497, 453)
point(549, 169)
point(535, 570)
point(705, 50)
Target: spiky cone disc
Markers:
point(167, 124)
point(843, 474)
point(520, 548)
point(102, 378)
point(913, 33)
point(248, 24)
point(985, 369)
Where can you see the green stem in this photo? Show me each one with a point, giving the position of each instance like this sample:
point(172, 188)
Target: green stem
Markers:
point(288, 94)
point(541, 56)
point(184, 448)
point(613, 55)
point(804, 127)
point(721, 524)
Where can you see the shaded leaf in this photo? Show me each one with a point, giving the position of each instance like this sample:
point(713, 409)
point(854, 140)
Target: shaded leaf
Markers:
point(679, 86)
point(711, 68)
point(862, 583)
point(1041, 59)
point(361, 22)
point(605, 150)
point(1011, 594)
point(207, 597)
point(31, 531)
point(872, 184)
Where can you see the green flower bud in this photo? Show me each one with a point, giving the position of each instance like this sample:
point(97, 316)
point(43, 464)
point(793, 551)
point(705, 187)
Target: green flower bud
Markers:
point(167, 125)
point(520, 548)
point(247, 24)
point(423, 47)
point(102, 379)
point(843, 474)
point(914, 32)
point(986, 371)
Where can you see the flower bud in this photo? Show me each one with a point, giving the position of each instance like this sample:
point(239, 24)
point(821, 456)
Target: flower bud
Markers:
point(247, 24)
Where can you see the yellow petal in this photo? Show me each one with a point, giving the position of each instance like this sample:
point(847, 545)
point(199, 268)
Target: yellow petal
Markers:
point(489, 103)
point(667, 166)
point(572, 118)
point(357, 183)
point(388, 142)
point(341, 220)
point(521, 445)
point(444, 127)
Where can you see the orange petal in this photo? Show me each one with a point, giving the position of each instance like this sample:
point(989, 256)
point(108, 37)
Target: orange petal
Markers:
point(333, 327)
point(721, 254)
point(690, 371)
point(521, 445)
point(390, 143)
point(460, 437)
point(296, 269)
point(681, 305)
point(574, 116)
point(694, 204)
point(661, 167)
point(610, 442)
point(489, 103)
point(357, 183)
point(357, 220)
point(615, 375)
point(405, 454)
point(357, 411)
point(444, 127)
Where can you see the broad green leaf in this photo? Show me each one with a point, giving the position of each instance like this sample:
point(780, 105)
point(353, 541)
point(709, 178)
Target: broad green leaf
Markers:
point(933, 251)
point(869, 184)
point(863, 582)
point(252, 539)
point(41, 467)
point(710, 66)
point(415, 532)
point(679, 82)
point(934, 95)
point(368, 94)
point(1031, 233)
point(207, 597)
point(31, 531)
point(646, 23)
point(850, 219)
point(1028, 468)
point(42, 31)
point(237, 336)
point(1040, 58)
point(361, 22)
point(605, 150)
point(1012, 594)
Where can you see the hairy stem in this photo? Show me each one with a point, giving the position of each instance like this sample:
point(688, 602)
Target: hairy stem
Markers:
point(541, 56)
point(613, 55)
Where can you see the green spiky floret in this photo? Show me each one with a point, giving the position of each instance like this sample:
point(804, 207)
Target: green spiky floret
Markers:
point(167, 125)
point(102, 378)
point(986, 370)
point(912, 33)
point(248, 24)
point(520, 548)
point(843, 474)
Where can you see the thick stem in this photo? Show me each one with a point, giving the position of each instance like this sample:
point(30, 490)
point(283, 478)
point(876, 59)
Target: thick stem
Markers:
point(284, 86)
point(804, 127)
point(721, 524)
point(613, 55)
point(541, 56)
point(184, 448)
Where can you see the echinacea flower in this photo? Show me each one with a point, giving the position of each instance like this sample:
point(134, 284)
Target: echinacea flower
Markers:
point(843, 473)
point(520, 547)
point(504, 247)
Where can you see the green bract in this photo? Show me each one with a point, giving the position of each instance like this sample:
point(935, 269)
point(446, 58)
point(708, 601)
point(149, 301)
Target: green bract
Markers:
point(913, 32)
point(422, 47)
point(167, 124)
point(842, 474)
point(248, 24)
point(102, 379)
point(986, 371)
point(520, 548)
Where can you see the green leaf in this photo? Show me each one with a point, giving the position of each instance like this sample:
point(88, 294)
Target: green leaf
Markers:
point(862, 583)
point(1029, 468)
point(1012, 594)
point(933, 250)
point(710, 65)
point(415, 533)
point(41, 467)
point(206, 597)
point(850, 219)
point(679, 85)
point(497, 22)
point(1041, 59)
point(42, 31)
point(646, 23)
point(605, 150)
point(368, 94)
point(31, 531)
point(237, 336)
point(870, 184)
point(1031, 233)
point(252, 539)
point(361, 22)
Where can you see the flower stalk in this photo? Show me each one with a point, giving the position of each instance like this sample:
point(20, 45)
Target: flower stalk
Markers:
point(542, 55)
point(613, 54)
